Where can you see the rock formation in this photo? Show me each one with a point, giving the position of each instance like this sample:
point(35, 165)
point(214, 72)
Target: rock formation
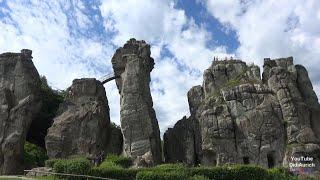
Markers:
point(182, 143)
point(133, 64)
point(249, 120)
point(299, 105)
point(82, 126)
point(115, 144)
point(19, 104)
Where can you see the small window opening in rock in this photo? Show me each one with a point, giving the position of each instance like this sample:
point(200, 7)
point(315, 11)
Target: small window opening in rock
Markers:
point(246, 160)
point(270, 159)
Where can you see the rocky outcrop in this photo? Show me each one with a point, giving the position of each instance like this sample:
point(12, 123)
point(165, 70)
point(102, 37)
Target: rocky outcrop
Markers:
point(115, 144)
point(249, 120)
point(182, 143)
point(299, 106)
point(82, 126)
point(19, 104)
point(133, 64)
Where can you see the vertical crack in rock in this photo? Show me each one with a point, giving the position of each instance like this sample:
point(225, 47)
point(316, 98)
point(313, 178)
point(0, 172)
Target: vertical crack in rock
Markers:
point(133, 64)
point(19, 104)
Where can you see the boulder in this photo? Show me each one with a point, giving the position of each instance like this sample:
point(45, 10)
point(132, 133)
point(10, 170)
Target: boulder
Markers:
point(133, 64)
point(19, 105)
point(82, 126)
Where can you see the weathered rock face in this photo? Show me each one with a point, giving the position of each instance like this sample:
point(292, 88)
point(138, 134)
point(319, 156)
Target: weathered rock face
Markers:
point(115, 144)
point(19, 104)
point(299, 105)
point(82, 125)
point(182, 143)
point(139, 125)
point(244, 119)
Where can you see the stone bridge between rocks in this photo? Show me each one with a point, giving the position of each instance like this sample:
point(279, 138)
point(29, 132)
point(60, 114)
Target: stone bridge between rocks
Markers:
point(106, 78)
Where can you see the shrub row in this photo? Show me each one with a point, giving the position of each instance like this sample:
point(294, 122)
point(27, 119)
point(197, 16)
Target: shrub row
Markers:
point(112, 168)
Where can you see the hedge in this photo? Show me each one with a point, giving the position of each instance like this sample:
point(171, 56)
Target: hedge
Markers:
point(212, 172)
point(115, 173)
point(109, 169)
point(79, 166)
point(280, 174)
point(122, 161)
point(198, 177)
point(154, 175)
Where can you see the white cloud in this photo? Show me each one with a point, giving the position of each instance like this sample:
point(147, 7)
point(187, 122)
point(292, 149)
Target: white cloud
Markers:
point(43, 27)
point(274, 29)
point(57, 32)
point(169, 31)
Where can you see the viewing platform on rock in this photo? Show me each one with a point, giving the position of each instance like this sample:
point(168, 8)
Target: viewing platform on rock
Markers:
point(228, 61)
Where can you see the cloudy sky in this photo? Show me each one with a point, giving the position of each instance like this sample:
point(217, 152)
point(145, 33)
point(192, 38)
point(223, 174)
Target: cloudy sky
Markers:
point(77, 38)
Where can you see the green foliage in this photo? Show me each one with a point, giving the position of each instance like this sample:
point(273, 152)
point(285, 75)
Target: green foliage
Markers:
point(50, 162)
point(115, 173)
point(109, 169)
point(233, 82)
point(51, 99)
point(79, 166)
point(212, 172)
point(198, 177)
point(114, 125)
point(121, 161)
point(157, 175)
point(34, 155)
point(280, 174)
point(248, 172)
point(109, 165)
point(168, 168)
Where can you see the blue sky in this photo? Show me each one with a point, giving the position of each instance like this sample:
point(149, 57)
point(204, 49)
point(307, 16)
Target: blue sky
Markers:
point(77, 38)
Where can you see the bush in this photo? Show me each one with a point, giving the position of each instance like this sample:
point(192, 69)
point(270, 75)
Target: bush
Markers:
point(79, 166)
point(197, 177)
point(279, 174)
point(212, 172)
point(233, 172)
point(178, 167)
point(34, 155)
point(152, 175)
point(115, 173)
point(121, 161)
point(109, 165)
point(50, 162)
point(248, 172)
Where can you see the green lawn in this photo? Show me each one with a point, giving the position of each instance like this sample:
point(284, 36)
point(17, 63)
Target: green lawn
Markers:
point(27, 177)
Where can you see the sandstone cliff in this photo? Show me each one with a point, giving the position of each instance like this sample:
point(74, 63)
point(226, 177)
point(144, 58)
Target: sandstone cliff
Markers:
point(82, 126)
point(245, 119)
point(182, 143)
point(19, 104)
point(139, 125)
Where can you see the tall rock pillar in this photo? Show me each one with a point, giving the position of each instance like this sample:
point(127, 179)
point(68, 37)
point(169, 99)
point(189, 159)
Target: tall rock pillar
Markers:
point(19, 105)
point(139, 125)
